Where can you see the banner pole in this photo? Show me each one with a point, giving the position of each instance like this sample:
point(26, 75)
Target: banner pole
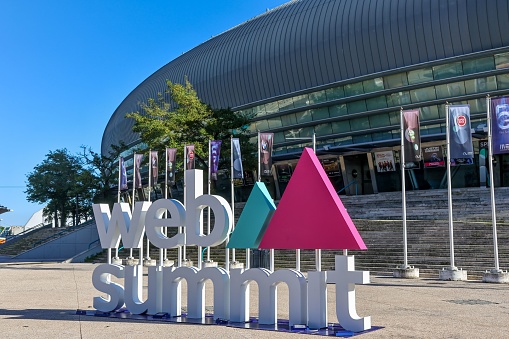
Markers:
point(134, 192)
point(208, 208)
point(403, 191)
point(118, 197)
point(119, 177)
point(185, 194)
point(271, 264)
point(233, 200)
point(232, 197)
point(147, 257)
point(259, 160)
point(165, 255)
point(492, 184)
point(318, 252)
point(449, 186)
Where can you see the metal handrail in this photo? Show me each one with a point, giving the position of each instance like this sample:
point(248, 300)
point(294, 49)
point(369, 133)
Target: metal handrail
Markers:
point(203, 252)
point(93, 242)
point(350, 184)
point(12, 237)
point(64, 231)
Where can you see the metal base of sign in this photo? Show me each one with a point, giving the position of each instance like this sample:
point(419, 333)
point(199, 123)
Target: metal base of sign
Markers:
point(168, 263)
point(453, 274)
point(209, 263)
point(409, 272)
point(236, 264)
point(149, 262)
point(332, 330)
point(131, 261)
point(498, 277)
point(116, 261)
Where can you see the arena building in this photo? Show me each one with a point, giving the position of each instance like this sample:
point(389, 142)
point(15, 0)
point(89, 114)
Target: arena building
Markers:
point(342, 70)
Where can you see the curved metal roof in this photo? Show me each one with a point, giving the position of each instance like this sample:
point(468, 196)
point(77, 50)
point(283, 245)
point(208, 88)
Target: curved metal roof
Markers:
point(308, 43)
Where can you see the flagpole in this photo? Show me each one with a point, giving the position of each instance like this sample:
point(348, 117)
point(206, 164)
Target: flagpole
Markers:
point(233, 205)
point(492, 186)
point(119, 177)
point(161, 250)
point(403, 191)
point(134, 192)
point(208, 208)
point(166, 196)
point(318, 252)
point(118, 196)
point(449, 186)
point(259, 161)
point(185, 193)
point(140, 261)
point(260, 179)
point(232, 196)
point(149, 191)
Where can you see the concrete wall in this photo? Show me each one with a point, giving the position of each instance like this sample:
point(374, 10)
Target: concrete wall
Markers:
point(65, 247)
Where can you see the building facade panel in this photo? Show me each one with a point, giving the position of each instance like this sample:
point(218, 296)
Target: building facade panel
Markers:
point(342, 69)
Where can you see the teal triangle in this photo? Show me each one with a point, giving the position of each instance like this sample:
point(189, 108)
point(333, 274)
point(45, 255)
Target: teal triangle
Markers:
point(254, 219)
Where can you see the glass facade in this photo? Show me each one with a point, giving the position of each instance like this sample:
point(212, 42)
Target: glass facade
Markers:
point(365, 114)
point(344, 112)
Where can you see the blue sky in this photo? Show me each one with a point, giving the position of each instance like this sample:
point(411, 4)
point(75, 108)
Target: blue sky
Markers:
point(65, 66)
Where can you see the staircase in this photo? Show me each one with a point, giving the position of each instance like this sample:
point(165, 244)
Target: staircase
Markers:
point(40, 236)
point(25, 242)
point(378, 218)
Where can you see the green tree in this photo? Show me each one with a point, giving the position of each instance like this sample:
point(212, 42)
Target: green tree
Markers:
point(104, 173)
point(164, 125)
point(56, 182)
point(224, 124)
point(185, 119)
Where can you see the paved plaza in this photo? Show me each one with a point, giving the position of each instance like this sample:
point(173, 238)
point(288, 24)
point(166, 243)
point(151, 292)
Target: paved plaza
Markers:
point(39, 300)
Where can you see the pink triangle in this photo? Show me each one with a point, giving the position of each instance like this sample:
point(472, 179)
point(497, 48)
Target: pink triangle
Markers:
point(310, 214)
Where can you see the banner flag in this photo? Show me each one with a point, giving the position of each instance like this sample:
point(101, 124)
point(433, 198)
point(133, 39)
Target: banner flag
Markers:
point(171, 158)
point(123, 175)
point(500, 125)
point(384, 161)
point(433, 156)
point(215, 149)
point(460, 137)
point(238, 172)
point(483, 164)
point(412, 139)
point(137, 164)
point(266, 142)
point(189, 157)
point(154, 166)
point(284, 172)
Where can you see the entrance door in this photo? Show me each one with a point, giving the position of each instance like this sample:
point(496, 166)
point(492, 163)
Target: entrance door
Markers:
point(357, 175)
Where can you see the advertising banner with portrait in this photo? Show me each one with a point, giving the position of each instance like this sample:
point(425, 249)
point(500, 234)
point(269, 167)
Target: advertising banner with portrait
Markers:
point(189, 157)
point(412, 138)
point(266, 142)
point(500, 125)
point(238, 172)
point(331, 166)
point(123, 175)
point(433, 156)
point(284, 172)
point(154, 165)
point(137, 174)
point(384, 161)
point(460, 136)
point(215, 149)
point(171, 160)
